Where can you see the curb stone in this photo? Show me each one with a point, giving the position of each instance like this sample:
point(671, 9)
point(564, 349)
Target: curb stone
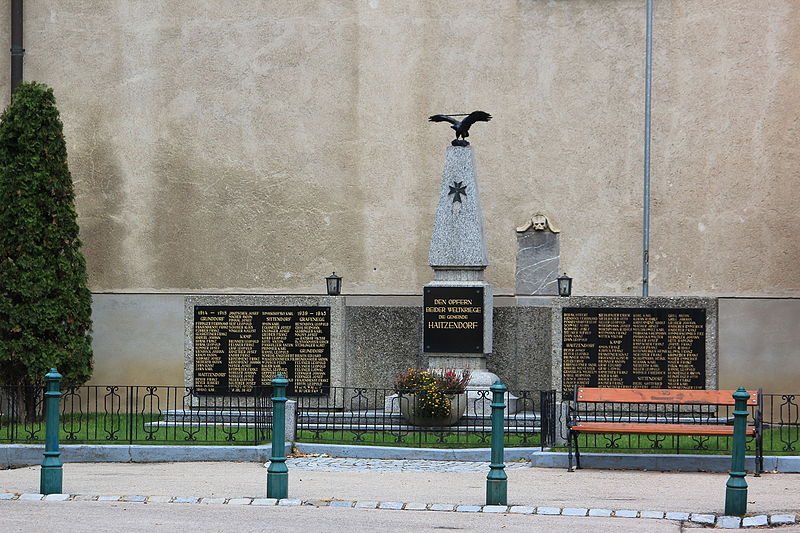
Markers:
point(729, 522)
point(782, 519)
point(391, 505)
point(468, 509)
point(369, 504)
point(756, 521)
point(702, 518)
point(693, 519)
point(677, 516)
point(343, 503)
point(416, 506)
point(442, 507)
point(57, 497)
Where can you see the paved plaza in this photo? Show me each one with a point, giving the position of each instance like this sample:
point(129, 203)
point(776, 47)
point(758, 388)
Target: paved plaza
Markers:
point(393, 493)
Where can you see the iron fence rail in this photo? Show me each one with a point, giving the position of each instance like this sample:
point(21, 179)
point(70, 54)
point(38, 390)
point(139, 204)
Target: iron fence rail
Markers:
point(116, 414)
point(178, 415)
point(386, 417)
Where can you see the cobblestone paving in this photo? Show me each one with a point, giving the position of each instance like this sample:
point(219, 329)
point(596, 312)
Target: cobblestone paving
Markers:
point(338, 464)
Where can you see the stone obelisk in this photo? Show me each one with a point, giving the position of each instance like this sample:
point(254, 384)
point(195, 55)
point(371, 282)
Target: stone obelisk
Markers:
point(457, 332)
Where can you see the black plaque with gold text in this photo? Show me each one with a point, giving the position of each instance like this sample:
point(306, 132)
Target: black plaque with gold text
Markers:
point(238, 348)
point(633, 348)
point(453, 319)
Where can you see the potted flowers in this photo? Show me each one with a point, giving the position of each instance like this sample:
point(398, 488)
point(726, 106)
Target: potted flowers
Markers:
point(432, 397)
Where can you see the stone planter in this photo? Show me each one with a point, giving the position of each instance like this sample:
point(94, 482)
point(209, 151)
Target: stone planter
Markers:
point(408, 410)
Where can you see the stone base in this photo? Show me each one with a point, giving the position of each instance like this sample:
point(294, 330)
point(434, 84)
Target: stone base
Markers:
point(479, 397)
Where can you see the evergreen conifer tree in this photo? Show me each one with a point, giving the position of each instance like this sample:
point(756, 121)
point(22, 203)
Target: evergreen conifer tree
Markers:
point(45, 305)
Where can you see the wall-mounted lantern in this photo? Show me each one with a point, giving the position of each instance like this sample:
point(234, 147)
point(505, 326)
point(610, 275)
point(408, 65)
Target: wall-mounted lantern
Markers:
point(564, 285)
point(334, 283)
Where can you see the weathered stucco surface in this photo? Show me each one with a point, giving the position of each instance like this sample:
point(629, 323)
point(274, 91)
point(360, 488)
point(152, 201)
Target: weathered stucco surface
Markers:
point(260, 145)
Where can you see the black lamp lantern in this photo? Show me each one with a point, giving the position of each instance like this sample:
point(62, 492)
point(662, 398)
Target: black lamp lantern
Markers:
point(334, 283)
point(564, 285)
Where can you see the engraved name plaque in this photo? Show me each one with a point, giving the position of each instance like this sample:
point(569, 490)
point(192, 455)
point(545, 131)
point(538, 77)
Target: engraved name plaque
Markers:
point(453, 319)
point(238, 348)
point(633, 348)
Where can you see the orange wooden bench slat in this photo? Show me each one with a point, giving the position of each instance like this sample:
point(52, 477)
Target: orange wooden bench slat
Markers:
point(660, 396)
point(651, 428)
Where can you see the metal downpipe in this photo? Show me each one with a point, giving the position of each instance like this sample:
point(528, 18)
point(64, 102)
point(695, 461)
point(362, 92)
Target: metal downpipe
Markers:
point(17, 51)
point(646, 200)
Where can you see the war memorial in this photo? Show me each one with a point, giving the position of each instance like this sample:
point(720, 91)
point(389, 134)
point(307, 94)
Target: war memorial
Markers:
point(510, 295)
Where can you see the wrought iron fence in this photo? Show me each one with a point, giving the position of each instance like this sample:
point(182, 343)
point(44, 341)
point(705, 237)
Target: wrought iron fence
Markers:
point(116, 414)
point(780, 422)
point(178, 415)
point(385, 417)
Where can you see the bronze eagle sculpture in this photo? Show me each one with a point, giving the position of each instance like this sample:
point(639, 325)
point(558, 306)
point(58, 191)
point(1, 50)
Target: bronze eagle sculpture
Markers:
point(462, 127)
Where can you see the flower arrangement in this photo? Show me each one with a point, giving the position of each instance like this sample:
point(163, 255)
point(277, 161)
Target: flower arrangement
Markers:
point(433, 389)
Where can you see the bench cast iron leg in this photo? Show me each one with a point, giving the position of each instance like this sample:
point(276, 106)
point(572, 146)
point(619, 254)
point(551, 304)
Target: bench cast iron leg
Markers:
point(577, 451)
point(569, 447)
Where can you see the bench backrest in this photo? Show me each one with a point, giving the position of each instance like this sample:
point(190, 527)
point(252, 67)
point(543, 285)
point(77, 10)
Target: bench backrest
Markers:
point(660, 396)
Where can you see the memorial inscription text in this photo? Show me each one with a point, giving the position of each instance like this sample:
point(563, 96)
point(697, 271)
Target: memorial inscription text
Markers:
point(633, 348)
point(453, 319)
point(239, 348)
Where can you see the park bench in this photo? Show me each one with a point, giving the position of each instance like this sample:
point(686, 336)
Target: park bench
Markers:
point(653, 412)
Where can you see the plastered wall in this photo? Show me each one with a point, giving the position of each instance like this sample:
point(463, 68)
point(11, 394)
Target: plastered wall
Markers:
point(139, 340)
point(258, 146)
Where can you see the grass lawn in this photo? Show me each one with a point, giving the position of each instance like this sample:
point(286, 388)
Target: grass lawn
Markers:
point(129, 429)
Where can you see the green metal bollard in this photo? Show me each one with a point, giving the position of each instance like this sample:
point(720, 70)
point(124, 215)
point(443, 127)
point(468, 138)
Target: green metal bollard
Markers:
point(497, 481)
point(278, 473)
point(50, 481)
point(736, 491)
